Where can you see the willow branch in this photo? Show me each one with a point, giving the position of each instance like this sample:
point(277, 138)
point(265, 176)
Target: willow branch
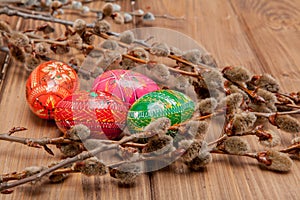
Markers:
point(276, 113)
point(11, 12)
point(295, 148)
point(220, 151)
point(82, 156)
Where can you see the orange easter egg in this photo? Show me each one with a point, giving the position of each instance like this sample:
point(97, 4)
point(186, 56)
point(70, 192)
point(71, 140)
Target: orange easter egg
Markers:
point(48, 84)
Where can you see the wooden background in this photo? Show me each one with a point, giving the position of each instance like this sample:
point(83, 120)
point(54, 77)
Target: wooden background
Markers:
point(262, 35)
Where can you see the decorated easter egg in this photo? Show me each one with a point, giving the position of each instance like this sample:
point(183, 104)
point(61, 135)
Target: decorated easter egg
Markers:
point(103, 113)
point(126, 84)
point(161, 103)
point(47, 84)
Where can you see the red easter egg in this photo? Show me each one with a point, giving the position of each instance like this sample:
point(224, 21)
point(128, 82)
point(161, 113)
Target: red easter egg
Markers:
point(103, 113)
point(47, 84)
point(126, 84)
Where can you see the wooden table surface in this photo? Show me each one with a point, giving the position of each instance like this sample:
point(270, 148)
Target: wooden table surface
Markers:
point(262, 35)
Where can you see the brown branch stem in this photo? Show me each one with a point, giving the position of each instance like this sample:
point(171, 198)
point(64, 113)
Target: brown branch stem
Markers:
point(12, 12)
point(197, 118)
point(34, 142)
point(276, 113)
point(291, 149)
point(290, 105)
point(82, 156)
point(220, 151)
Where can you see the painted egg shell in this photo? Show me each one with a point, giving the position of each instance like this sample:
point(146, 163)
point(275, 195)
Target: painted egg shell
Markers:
point(126, 84)
point(47, 84)
point(162, 103)
point(103, 113)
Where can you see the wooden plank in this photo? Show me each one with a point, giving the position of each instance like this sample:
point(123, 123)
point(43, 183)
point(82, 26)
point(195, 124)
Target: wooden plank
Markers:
point(216, 26)
point(15, 112)
point(272, 27)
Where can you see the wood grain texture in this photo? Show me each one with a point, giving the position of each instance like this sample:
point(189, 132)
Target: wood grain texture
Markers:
point(262, 35)
point(272, 28)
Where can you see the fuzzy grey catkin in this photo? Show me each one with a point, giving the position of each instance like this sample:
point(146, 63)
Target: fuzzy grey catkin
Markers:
point(79, 26)
point(209, 60)
point(88, 38)
point(237, 74)
point(197, 154)
point(160, 49)
point(139, 52)
point(42, 48)
point(287, 123)
point(185, 143)
point(200, 161)
point(79, 132)
point(60, 49)
point(4, 26)
point(160, 73)
point(101, 26)
point(148, 17)
point(212, 79)
point(31, 62)
point(70, 150)
point(296, 140)
point(119, 18)
point(236, 145)
point(232, 102)
point(279, 161)
point(243, 122)
point(110, 45)
point(19, 39)
point(158, 126)
point(196, 129)
point(126, 173)
point(275, 140)
point(127, 17)
point(192, 151)
point(159, 145)
point(127, 37)
point(283, 108)
point(234, 89)
point(269, 97)
point(267, 82)
point(96, 72)
point(181, 83)
point(75, 41)
point(90, 167)
point(207, 106)
point(29, 171)
point(57, 178)
point(107, 9)
point(111, 59)
point(17, 53)
point(262, 107)
point(175, 51)
point(193, 56)
point(76, 5)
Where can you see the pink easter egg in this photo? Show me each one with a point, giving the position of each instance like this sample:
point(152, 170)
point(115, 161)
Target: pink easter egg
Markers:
point(125, 84)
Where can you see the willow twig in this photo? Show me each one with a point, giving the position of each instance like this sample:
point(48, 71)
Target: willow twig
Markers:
point(36, 142)
point(11, 12)
point(82, 156)
point(259, 114)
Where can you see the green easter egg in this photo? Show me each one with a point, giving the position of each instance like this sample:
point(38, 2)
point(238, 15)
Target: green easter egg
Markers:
point(162, 103)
